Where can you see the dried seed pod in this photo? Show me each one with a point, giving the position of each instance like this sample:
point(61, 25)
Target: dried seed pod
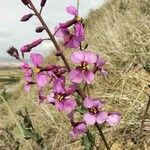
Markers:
point(12, 51)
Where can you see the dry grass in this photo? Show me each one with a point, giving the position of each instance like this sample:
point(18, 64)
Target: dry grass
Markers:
point(120, 32)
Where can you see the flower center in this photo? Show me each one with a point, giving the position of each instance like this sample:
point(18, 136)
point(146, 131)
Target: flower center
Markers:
point(78, 18)
point(94, 110)
point(84, 66)
point(36, 70)
point(59, 97)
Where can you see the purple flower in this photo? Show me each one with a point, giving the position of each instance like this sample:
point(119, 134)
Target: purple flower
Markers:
point(113, 118)
point(61, 97)
point(28, 73)
point(41, 77)
point(94, 115)
point(78, 128)
point(82, 73)
point(72, 38)
point(100, 65)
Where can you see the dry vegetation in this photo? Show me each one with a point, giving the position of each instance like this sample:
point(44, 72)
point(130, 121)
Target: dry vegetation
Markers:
point(120, 32)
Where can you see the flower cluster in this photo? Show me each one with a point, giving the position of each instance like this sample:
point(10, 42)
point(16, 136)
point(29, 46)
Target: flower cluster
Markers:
point(63, 82)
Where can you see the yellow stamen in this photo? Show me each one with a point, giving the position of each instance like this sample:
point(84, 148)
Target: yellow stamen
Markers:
point(78, 18)
point(36, 70)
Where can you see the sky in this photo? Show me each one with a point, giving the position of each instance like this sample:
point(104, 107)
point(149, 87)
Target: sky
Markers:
point(15, 33)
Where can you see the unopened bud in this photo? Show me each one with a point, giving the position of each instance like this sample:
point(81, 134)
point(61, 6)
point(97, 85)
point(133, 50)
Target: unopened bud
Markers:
point(13, 52)
point(28, 47)
point(43, 3)
point(39, 29)
point(26, 17)
point(25, 2)
point(35, 43)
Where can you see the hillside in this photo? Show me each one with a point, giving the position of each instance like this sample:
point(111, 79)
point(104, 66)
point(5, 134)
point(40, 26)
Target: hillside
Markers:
point(120, 32)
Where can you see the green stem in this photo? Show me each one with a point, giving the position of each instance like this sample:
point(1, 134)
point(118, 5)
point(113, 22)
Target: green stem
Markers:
point(102, 136)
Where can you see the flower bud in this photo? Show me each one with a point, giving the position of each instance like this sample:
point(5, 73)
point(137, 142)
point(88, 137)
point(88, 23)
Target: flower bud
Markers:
point(25, 2)
point(26, 17)
point(28, 47)
point(39, 29)
point(43, 3)
point(35, 43)
point(13, 52)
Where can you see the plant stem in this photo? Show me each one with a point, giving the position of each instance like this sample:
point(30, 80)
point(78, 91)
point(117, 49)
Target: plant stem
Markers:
point(143, 120)
point(102, 136)
point(79, 91)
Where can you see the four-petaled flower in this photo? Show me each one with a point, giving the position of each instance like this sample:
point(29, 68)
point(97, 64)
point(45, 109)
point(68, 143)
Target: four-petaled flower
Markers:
point(72, 37)
point(62, 97)
point(41, 77)
point(94, 115)
point(82, 72)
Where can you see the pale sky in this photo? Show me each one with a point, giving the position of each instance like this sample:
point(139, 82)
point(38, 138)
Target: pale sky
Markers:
point(15, 33)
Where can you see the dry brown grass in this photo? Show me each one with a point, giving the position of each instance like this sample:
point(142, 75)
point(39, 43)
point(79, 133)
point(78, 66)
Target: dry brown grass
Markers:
point(120, 32)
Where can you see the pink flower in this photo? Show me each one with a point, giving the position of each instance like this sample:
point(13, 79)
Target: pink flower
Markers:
point(78, 128)
point(100, 65)
point(41, 77)
point(72, 38)
point(94, 115)
point(61, 97)
point(82, 73)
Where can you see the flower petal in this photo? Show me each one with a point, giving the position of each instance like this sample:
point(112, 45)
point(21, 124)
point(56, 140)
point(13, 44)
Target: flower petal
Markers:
point(36, 59)
point(79, 32)
point(50, 98)
point(113, 119)
point(59, 105)
point(101, 117)
point(88, 102)
point(76, 76)
point(72, 10)
point(89, 118)
point(41, 79)
point(58, 87)
point(27, 87)
point(73, 42)
point(69, 105)
point(77, 56)
point(88, 77)
point(90, 57)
